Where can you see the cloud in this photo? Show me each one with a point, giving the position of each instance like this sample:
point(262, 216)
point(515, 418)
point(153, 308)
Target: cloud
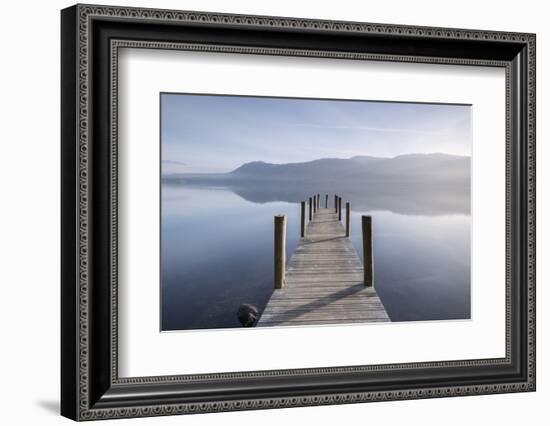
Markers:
point(174, 163)
point(370, 128)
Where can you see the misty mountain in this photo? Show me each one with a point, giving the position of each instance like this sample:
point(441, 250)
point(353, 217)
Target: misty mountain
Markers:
point(429, 184)
point(441, 167)
point(360, 168)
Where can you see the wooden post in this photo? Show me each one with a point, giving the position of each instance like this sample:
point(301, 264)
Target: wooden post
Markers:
point(340, 208)
point(280, 250)
point(314, 204)
point(310, 209)
point(318, 201)
point(348, 210)
point(303, 219)
point(366, 222)
point(326, 201)
point(336, 203)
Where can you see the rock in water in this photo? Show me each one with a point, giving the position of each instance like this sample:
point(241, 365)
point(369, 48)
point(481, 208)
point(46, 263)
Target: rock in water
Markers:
point(248, 315)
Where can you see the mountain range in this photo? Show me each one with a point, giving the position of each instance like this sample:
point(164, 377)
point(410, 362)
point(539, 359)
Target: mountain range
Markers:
point(418, 167)
point(428, 184)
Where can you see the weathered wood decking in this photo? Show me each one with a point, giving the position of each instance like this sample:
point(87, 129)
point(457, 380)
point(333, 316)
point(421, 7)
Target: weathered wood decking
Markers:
point(324, 281)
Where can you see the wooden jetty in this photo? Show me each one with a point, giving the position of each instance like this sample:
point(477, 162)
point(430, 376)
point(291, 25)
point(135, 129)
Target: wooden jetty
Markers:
point(324, 282)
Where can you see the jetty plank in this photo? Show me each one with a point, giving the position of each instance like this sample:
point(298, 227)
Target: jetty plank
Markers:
point(324, 281)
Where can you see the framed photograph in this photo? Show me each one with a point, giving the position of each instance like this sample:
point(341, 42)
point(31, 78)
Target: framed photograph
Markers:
point(263, 212)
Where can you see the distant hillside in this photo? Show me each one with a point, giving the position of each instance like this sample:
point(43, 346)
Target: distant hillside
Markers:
point(414, 183)
point(411, 166)
point(442, 167)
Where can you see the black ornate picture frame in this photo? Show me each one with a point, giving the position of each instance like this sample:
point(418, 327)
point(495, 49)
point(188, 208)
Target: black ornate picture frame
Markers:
point(90, 385)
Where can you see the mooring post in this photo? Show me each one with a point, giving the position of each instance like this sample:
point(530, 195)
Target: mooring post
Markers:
point(280, 250)
point(303, 219)
point(340, 208)
point(314, 204)
point(348, 210)
point(336, 203)
point(318, 201)
point(310, 209)
point(326, 201)
point(366, 222)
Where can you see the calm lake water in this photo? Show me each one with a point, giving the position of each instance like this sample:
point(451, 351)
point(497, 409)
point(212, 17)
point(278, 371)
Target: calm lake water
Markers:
point(217, 253)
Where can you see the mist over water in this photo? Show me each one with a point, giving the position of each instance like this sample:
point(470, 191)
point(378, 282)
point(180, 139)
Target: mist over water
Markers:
point(217, 246)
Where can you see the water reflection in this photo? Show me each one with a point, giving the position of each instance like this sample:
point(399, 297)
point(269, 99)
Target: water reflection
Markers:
point(217, 248)
point(402, 197)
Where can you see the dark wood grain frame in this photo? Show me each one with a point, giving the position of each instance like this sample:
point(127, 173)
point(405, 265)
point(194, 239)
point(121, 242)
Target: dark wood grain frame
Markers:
point(91, 37)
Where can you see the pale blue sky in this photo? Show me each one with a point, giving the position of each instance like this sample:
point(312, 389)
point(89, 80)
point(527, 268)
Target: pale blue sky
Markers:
point(211, 134)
